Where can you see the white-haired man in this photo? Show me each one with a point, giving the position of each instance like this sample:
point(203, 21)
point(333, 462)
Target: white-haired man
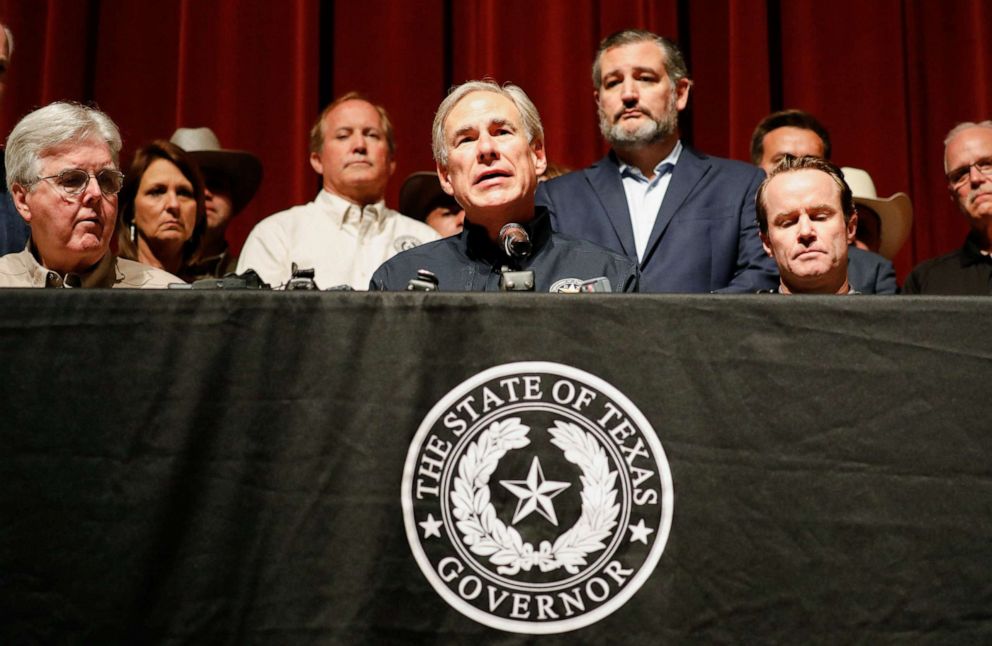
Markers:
point(489, 149)
point(968, 168)
point(63, 173)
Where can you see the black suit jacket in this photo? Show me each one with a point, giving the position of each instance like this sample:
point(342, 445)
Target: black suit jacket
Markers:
point(705, 237)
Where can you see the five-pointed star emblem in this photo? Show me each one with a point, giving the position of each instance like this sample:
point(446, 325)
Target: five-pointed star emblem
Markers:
point(535, 494)
point(431, 527)
point(639, 532)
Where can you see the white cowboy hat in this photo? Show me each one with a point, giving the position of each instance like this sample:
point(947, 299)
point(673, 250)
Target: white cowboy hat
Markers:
point(242, 170)
point(896, 212)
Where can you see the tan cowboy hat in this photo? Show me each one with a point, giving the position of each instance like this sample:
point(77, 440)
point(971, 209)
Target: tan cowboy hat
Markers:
point(896, 212)
point(242, 170)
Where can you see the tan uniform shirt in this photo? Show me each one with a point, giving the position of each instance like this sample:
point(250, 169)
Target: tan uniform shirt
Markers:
point(23, 270)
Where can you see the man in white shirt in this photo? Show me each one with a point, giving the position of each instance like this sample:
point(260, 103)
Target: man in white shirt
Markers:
point(347, 231)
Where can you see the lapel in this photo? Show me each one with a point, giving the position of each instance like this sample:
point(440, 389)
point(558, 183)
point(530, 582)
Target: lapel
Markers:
point(690, 168)
point(604, 176)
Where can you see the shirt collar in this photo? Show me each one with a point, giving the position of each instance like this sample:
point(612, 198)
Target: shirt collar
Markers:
point(664, 166)
point(475, 240)
point(345, 212)
point(102, 274)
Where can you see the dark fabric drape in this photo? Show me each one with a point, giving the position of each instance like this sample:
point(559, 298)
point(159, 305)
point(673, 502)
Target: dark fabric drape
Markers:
point(226, 468)
point(888, 78)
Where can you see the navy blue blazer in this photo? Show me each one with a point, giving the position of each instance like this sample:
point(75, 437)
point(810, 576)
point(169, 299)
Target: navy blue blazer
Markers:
point(14, 231)
point(705, 237)
point(870, 273)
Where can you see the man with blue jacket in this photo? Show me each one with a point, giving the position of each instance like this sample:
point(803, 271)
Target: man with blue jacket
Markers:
point(686, 218)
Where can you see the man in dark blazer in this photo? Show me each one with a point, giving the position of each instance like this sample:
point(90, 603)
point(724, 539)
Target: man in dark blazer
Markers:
point(798, 133)
point(688, 219)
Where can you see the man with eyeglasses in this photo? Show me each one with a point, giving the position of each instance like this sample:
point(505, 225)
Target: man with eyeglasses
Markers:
point(62, 170)
point(968, 167)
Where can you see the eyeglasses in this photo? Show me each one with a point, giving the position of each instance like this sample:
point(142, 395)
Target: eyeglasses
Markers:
point(75, 180)
point(959, 176)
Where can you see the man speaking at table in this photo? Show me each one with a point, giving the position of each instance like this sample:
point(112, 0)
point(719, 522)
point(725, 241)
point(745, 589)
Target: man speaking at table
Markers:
point(489, 149)
point(685, 217)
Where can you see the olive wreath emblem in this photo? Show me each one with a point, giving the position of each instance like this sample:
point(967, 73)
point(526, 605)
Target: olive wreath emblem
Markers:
point(488, 536)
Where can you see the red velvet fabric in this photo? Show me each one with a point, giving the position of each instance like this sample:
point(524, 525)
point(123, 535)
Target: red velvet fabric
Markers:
point(888, 78)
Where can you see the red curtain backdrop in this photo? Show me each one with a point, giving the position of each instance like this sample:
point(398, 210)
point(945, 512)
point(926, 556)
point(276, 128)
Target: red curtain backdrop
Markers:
point(888, 78)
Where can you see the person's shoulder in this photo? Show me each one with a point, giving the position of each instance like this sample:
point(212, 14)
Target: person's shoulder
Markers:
point(577, 245)
point(722, 165)
point(15, 269)
point(433, 249)
point(948, 260)
point(136, 275)
point(404, 225)
point(569, 181)
point(286, 217)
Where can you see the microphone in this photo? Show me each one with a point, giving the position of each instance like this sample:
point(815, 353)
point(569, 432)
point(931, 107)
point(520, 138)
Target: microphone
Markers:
point(515, 241)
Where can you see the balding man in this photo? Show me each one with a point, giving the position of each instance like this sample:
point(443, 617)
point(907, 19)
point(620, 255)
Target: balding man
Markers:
point(968, 169)
point(63, 172)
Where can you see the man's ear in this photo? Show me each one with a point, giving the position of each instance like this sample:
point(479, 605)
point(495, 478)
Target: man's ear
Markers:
point(852, 227)
point(765, 243)
point(445, 179)
point(682, 93)
point(316, 164)
point(540, 157)
point(20, 195)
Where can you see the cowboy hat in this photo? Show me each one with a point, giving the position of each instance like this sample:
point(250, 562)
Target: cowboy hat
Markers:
point(242, 170)
point(421, 193)
point(895, 213)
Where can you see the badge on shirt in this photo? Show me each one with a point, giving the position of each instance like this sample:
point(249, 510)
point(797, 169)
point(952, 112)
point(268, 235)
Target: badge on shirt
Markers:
point(402, 243)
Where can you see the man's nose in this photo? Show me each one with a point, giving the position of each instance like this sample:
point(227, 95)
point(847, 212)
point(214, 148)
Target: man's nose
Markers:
point(358, 143)
point(806, 230)
point(628, 91)
point(486, 146)
point(92, 190)
point(976, 177)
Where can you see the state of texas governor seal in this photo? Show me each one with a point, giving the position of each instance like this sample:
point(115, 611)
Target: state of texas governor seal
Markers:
point(536, 498)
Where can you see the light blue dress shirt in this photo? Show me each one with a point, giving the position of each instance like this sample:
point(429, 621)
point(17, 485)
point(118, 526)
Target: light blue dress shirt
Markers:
point(644, 196)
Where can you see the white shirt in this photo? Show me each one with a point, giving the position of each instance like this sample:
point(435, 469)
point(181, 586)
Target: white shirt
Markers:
point(342, 242)
point(644, 196)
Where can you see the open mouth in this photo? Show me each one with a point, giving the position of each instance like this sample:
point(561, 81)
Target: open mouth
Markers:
point(491, 175)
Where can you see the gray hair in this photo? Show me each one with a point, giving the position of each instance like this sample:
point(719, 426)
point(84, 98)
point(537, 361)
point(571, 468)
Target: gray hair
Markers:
point(958, 129)
point(674, 61)
point(528, 112)
point(52, 126)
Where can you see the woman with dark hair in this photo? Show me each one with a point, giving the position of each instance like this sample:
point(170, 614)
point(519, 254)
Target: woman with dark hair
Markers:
point(162, 213)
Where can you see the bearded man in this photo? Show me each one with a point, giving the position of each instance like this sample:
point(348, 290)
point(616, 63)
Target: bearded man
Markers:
point(686, 218)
